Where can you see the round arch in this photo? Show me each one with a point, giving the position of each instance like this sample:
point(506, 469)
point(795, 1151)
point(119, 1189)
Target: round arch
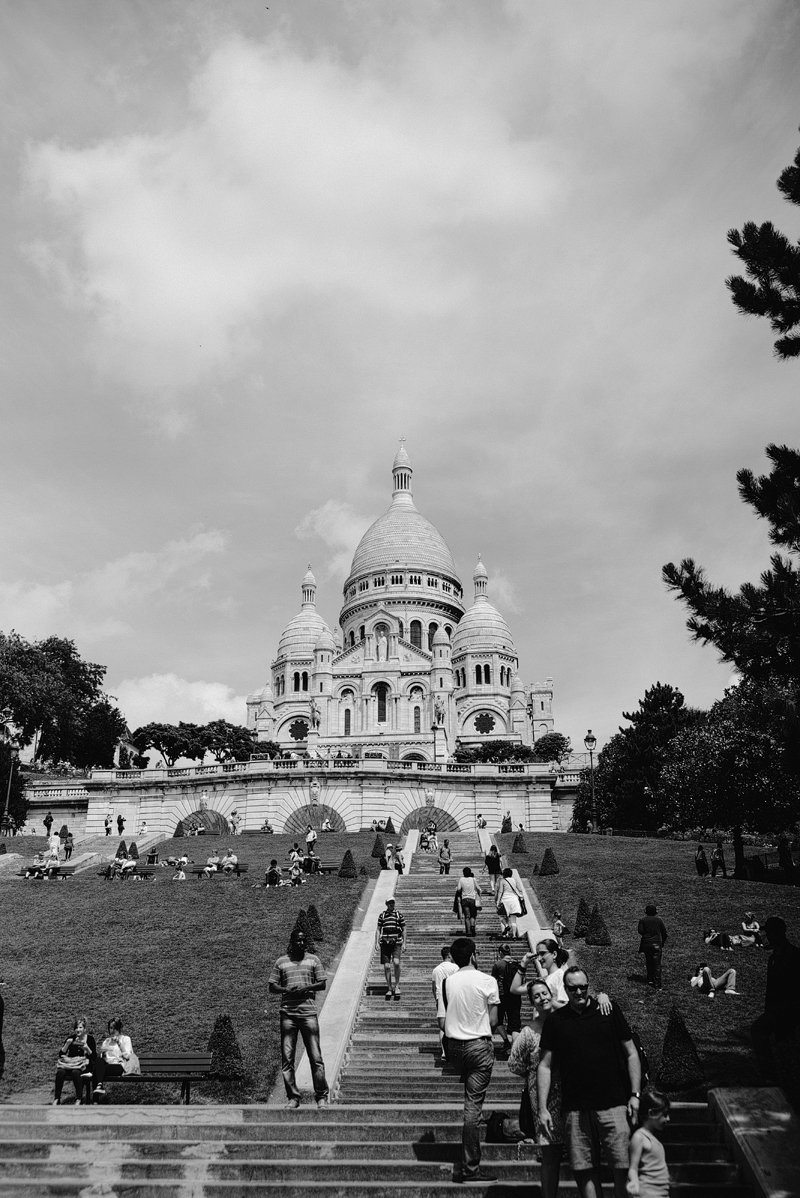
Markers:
point(204, 822)
point(314, 814)
point(419, 817)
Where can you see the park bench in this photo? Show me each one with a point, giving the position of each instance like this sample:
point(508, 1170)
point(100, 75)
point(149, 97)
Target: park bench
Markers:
point(197, 870)
point(329, 867)
point(61, 872)
point(183, 1067)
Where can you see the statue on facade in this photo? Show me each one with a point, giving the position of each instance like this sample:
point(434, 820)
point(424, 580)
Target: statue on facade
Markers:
point(315, 716)
point(429, 797)
point(314, 790)
point(204, 801)
point(382, 647)
point(438, 711)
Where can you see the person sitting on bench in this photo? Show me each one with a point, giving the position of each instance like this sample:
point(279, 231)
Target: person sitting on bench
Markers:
point(229, 862)
point(212, 864)
point(114, 1054)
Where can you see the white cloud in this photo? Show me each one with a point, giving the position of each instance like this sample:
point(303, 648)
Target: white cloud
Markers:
point(166, 698)
point(340, 528)
point(502, 593)
point(107, 600)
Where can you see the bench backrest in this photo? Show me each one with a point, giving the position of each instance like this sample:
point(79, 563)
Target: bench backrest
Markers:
point(175, 1062)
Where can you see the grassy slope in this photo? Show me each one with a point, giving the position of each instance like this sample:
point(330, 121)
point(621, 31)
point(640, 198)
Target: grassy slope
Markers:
point(624, 874)
point(167, 958)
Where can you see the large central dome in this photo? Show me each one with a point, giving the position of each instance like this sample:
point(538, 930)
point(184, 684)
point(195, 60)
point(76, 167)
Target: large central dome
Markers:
point(402, 536)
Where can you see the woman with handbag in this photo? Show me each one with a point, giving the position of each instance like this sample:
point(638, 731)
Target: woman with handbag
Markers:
point(116, 1056)
point(75, 1059)
point(508, 901)
point(524, 1061)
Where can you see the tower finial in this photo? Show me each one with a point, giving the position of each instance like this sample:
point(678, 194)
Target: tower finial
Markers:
point(309, 589)
point(401, 475)
point(480, 577)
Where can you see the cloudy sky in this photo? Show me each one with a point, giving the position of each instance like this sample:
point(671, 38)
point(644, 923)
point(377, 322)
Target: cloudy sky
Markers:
point(244, 249)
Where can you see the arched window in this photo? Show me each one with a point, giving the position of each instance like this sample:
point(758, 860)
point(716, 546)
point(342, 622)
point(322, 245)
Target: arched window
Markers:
point(487, 675)
point(416, 634)
point(431, 633)
point(305, 680)
point(381, 691)
point(401, 633)
point(417, 719)
point(449, 631)
point(347, 718)
point(502, 675)
point(352, 639)
point(361, 633)
point(296, 680)
point(478, 675)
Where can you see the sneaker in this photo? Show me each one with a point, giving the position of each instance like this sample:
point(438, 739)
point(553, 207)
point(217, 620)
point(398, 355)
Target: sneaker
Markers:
point(396, 995)
point(731, 991)
point(291, 1103)
point(482, 1177)
point(99, 1089)
point(321, 1102)
point(388, 996)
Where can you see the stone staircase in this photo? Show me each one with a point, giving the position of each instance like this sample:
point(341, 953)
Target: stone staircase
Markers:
point(394, 1128)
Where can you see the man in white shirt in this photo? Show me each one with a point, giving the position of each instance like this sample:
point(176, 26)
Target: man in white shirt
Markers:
point(441, 971)
point(468, 1016)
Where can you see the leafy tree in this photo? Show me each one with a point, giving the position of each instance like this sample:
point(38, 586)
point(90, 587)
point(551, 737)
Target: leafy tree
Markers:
point(628, 769)
point(552, 746)
point(52, 691)
point(166, 739)
point(228, 742)
point(772, 264)
point(193, 743)
point(493, 751)
point(734, 767)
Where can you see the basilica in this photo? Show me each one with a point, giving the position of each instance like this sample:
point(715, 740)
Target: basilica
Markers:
point(409, 671)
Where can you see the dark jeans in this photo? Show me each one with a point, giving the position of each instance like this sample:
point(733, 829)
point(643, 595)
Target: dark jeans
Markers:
point(101, 1070)
point(67, 852)
point(308, 1027)
point(652, 960)
point(715, 865)
point(470, 912)
point(444, 867)
point(63, 1075)
point(475, 1059)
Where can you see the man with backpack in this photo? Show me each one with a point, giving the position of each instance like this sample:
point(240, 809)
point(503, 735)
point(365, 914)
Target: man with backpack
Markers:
point(391, 935)
point(509, 1013)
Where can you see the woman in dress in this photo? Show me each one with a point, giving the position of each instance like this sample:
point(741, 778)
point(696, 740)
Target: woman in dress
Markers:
point(524, 1061)
point(469, 895)
point(76, 1058)
point(551, 963)
point(115, 1053)
point(507, 901)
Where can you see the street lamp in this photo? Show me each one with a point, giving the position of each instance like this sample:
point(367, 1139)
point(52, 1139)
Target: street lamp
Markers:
point(6, 716)
point(590, 742)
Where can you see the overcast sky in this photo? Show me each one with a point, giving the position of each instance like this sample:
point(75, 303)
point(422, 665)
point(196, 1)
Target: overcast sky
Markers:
point(245, 249)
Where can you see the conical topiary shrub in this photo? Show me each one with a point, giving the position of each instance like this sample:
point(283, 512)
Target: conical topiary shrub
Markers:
point(536, 871)
point(179, 830)
point(363, 872)
point(122, 850)
point(133, 851)
point(582, 919)
point(226, 1055)
point(379, 847)
point(549, 864)
point(597, 932)
point(519, 845)
point(389, 829)
point(315, 923)
point(680, 1066)
point(301, 924)
point(348, 867)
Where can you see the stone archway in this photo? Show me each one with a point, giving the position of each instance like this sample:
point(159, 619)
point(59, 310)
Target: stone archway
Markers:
point(314, 814)
point(419, 817)
point(204, 822)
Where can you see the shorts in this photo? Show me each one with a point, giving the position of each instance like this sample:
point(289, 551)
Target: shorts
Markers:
point(390, 951)
point(587, 1130)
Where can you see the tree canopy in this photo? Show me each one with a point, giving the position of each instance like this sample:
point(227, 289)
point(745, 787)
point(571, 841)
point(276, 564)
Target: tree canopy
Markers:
point(224, 741)
point(772, 266)
point(552, 746)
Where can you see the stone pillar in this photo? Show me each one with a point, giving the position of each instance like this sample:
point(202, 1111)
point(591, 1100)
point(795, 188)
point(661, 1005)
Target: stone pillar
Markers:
point(440, 751)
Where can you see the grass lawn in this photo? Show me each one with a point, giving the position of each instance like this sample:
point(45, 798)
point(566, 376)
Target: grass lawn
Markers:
point(622, 875)
point(168, 958)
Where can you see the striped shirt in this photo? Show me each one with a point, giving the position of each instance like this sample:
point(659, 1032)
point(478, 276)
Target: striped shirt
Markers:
point(391, 925)
point(298, 976)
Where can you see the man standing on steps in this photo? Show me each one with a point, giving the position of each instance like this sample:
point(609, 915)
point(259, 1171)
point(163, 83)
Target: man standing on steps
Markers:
point(468, 1017)
point(599, 1097)
point(441, 971)
point(296, 977)
point(391, 936)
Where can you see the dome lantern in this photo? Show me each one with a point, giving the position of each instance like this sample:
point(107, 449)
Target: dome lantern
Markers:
point(480, 577)
point(401, 475)
point(309, 589)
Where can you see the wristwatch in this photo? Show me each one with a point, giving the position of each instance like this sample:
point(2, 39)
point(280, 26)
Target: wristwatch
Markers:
point(636, 1094)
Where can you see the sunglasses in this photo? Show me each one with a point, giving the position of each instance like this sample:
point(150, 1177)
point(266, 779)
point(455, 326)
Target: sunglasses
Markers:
point(576, 987)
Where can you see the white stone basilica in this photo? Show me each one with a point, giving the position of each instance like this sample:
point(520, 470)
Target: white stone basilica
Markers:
point(408, 672)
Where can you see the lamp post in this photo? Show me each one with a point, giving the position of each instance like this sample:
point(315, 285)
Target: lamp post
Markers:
point(6, 716)
point(590, 742)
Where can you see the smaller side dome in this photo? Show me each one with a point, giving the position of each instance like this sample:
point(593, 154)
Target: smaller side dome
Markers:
point(440, 637)
point(325, 641)
point(260, 696)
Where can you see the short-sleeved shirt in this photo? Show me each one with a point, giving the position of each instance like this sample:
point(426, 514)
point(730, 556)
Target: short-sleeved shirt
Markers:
point(586, 1048)
point(391, 925)
point(470, 994)
point(298, 975)
point(440, 972)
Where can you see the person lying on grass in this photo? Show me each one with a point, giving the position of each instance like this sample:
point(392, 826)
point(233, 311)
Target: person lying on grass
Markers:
point(709, 986)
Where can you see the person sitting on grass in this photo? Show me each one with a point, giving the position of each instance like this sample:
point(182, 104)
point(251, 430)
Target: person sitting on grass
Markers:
point(710, 986)
point(718, 940)
point(229, 862)
point(296, 874)
point(751, 927)
point(179, 875)
point(212, 864)
point(273, 874)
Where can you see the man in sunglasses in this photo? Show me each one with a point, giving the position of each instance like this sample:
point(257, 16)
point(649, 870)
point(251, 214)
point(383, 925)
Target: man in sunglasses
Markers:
point(599, 1097)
